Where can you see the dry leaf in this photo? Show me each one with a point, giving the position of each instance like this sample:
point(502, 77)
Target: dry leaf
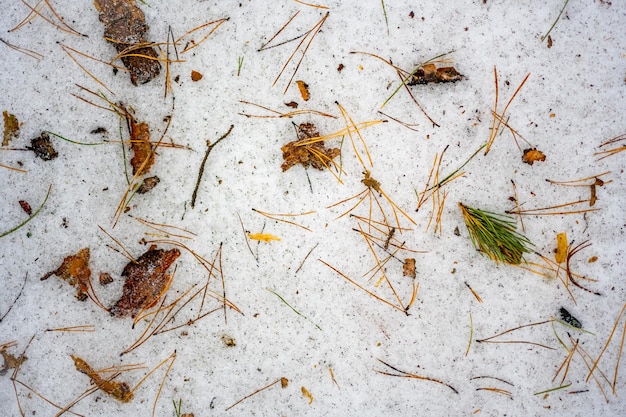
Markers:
point(307, 155)
point(408, 268)
point(561, 248)
point(292, 104)
point(429, 73)
point(195, 76)
point(140, 145)
point(304, 90)
point(125, 27)
point(265, 237)
point(146, 281)
point(533, 155)
point(105, 278)
point(26, 207)
point(75, 270)
point(43, 147)
point(148, 184)
point(11, 128)
point(10, 361)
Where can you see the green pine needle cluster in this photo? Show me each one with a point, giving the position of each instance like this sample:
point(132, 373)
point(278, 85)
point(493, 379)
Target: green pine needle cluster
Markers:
point(495, 235)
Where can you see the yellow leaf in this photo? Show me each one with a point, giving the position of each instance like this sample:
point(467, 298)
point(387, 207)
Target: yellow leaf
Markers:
point(561, 248)
point(265, 237)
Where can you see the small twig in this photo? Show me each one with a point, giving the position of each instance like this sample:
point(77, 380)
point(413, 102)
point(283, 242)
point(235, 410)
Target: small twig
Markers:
point(206, 156)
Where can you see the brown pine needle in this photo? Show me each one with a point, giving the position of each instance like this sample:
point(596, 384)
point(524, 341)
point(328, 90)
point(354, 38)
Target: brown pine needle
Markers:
point(577, 183)
point(67, 50)
point(402, 374)
point(352, 127)
point(410, 126)
point(610, 152)
point(161, 227)
point(36, 11)
point(312, 5)
point(498, 118)
point(471, 334)
point(543, 211)
point(474, 293)
point(25, 51)
point(274, 216)
point(281, 380)
point(362, 288)
point(85, 328)
point(496, 390)
point(490, 339)
point(310, 35)
point(278, 115)
point(195, 44)
point(606, 345)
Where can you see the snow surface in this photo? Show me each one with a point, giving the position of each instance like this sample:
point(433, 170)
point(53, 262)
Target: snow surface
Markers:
point(573, 101)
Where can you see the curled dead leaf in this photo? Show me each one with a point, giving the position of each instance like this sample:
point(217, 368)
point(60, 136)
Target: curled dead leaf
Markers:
point(532, 155)
point(75, 271)
point(429, 73)
point(125, 27)
point(146, 281)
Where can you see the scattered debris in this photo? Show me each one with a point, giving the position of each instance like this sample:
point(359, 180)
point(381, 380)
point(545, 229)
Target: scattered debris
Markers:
point(532, 155)
point(118, 390)
point(105, 278)
point(10, 361)
point(125, 27)
point(148, 184)
point(292, 104)
point(11, 128)
point(315, 154)
point(75, 271)
point(429, 73)
point(43, 147)
point(228, 340)
point(146, 281)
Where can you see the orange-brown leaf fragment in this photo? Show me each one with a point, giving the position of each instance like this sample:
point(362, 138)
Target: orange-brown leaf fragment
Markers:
point(75, 271)
point(304, 90)
point(195, 76)
point(315, 154)
point(532, 155)
point(10, 361)
point(11, 128)
point(146, 281)
point(408, 268)
point(118, 390)
point(143, 155)
point(125, 27)
point(429, 73)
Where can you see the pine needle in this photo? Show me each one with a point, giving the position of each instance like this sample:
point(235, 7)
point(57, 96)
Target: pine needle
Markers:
point(495, 235)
